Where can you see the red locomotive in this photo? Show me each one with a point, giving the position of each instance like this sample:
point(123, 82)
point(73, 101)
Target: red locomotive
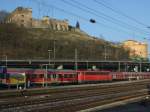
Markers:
point(94, 76)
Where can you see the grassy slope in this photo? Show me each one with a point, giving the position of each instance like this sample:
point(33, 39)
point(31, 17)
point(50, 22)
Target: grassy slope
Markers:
point(20, 43)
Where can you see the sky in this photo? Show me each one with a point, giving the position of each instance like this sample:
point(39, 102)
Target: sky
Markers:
point(116, 20)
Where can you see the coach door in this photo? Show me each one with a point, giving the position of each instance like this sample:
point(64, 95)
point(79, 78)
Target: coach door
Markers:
point(54, 78)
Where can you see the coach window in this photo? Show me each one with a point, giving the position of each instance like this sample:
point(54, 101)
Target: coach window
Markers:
point(54, 76)
point(28, 75)
point(71, 76)
point(37, 75)
point(33, 76)
point(41, 76)
point(60, 76)
point(22, 15)
point(48, 75)
point(2, 76)
point(7, 76)
point(65, 75)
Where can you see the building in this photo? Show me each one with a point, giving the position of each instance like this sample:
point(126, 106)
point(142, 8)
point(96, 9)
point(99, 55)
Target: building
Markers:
point(23, 17)
point(136, 49)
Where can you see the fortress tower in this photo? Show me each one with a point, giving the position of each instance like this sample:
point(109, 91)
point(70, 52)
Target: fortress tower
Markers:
point(21, 16)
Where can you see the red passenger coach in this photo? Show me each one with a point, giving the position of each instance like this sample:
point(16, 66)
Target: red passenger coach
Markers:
point(48, 77)
point(62, 76)
point(94, 76)
point(35, 77)
point(130, 75)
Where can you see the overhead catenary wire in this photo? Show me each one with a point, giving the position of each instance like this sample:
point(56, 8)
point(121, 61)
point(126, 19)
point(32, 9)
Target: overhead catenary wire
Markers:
point(104, 16)
point(120, 13)
point(80, 17)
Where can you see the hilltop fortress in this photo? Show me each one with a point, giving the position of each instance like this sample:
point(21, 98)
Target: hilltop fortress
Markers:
point(23, 18)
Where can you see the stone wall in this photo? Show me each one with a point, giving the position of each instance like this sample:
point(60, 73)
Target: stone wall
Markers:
point(136, 48)
point(23, 17)
point(51, 23)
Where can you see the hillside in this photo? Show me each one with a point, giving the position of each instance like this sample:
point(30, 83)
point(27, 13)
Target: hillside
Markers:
point(21, 43)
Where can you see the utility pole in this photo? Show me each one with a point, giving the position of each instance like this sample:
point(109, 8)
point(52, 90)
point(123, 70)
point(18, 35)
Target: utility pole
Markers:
point(140, 65)
point(119, 66)
point(46, 76)
point(6, 59)
point(87, 65)
point(54, 48)
point(140, 62)
point(105, 53)
point(54, 51)
point(49, 55)
point(76, 57)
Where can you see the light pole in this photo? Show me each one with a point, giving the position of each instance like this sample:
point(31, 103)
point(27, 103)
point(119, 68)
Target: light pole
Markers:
point(5, 60)
point(46, 76)
point(119, 66)
point(5, 64)
point(105, 52)
point(54, 48)
point(49, 56)
point(76, 57)
point(54, 51)
point(140, 61)
point(87, 65)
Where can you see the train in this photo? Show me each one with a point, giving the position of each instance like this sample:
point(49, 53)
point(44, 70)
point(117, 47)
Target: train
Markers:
point(9, 79)
point(41, 77)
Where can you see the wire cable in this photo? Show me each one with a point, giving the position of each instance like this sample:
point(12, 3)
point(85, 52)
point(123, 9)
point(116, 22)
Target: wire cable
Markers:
point(121, 13)
point(104, 16)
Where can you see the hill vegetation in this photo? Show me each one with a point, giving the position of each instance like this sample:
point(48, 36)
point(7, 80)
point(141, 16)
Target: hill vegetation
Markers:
point(21, 43)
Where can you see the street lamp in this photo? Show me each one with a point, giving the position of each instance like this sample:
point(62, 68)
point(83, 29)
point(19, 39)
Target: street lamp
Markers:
point(49, 55)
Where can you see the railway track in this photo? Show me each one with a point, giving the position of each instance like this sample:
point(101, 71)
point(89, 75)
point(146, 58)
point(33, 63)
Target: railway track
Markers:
point(78, 103)
point(76, 98)
point(30, 92)
point(70, 94)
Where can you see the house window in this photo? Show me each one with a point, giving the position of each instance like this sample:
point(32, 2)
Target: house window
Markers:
point(22, 25)
point(22, 21)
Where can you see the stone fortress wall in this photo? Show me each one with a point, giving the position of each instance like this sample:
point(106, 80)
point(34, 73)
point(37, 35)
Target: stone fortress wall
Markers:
point(136, 48)
point(23, 17)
